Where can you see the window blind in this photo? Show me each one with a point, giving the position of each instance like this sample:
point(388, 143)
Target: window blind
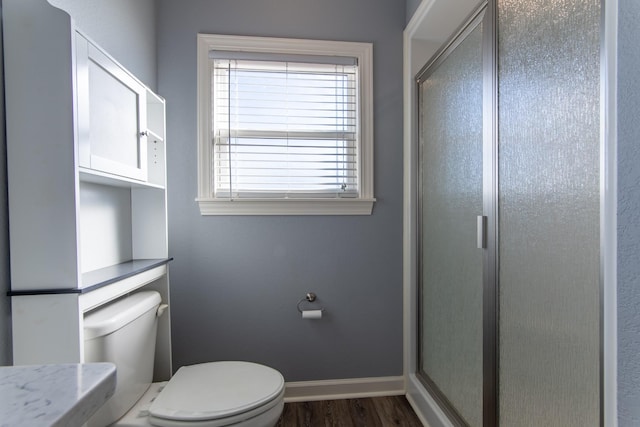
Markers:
point(284, 129)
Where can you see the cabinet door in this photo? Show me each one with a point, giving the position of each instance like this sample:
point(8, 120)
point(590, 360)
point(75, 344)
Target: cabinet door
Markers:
point(111, 115)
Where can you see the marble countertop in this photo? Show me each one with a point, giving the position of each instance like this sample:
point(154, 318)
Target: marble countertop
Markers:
point(54, 395)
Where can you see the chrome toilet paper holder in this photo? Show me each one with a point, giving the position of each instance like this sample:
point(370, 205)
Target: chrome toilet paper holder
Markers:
point(310, 297)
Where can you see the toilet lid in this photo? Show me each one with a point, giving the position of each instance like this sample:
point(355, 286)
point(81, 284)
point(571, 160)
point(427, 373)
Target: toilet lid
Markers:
point(215, 390)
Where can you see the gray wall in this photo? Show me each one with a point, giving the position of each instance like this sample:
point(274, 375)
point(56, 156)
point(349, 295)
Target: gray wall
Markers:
point(5, 306)
point(235, 280)
point(411, 6)
point(628, 214)
point(126, 29)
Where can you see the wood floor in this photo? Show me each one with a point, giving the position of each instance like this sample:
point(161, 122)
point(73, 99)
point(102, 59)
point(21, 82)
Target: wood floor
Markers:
point(366, 412)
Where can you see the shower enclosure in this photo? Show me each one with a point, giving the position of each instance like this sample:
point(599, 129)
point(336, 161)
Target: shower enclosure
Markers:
point(507, 223)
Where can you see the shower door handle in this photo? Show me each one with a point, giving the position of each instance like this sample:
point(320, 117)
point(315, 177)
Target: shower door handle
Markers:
point(482, 232)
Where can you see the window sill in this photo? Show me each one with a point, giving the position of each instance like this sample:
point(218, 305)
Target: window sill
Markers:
point(286, 206)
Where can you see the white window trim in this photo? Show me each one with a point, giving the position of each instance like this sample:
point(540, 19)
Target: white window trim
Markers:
point(363, 205)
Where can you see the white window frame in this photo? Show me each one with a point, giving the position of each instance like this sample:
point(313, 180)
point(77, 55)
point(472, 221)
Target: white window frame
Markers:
point(210, 205)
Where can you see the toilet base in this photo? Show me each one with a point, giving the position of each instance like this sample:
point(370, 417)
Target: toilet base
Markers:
point(138, 415)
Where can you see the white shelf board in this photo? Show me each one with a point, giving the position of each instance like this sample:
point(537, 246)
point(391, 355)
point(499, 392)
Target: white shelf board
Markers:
point(97, 177)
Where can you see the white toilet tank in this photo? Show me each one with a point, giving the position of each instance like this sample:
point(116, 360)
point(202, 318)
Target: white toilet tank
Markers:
point(123, 333)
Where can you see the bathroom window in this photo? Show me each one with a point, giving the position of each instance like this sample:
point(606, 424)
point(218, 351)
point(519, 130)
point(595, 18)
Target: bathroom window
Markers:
point(285, 126)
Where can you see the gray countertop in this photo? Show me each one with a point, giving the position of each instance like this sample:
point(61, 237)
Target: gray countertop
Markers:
point(54, 395)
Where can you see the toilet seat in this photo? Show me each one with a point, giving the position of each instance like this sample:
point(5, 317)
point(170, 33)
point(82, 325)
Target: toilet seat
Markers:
point(217, 394)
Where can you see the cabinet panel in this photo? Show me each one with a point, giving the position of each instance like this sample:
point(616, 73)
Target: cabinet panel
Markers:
point(111, 115)
point(46, 329)
point(155, 140)
point(39, 110)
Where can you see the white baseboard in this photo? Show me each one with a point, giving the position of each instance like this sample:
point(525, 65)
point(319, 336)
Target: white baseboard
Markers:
point(305, 391)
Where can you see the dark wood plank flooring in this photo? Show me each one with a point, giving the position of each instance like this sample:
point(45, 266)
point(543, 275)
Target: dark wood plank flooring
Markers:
point(365, 412)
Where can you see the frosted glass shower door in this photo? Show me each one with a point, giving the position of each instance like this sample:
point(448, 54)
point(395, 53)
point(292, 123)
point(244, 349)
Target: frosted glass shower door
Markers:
point(451, 198)
point(549, 198)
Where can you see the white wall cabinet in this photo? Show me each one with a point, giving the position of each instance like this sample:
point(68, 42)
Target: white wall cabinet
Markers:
point(87, 174)
point(112, 121)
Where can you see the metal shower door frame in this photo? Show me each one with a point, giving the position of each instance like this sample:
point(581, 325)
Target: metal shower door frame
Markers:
point(485, 14)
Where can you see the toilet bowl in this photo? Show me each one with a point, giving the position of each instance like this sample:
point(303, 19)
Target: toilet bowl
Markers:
point(214, 394)
point(220, 394)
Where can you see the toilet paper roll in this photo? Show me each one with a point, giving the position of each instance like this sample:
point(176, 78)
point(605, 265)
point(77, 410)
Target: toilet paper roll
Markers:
point(312, 314)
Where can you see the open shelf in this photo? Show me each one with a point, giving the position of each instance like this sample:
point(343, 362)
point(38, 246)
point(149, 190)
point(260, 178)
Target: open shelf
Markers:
point(96, 279)
point(97, 177)
point(105, 276)
point(106, 284)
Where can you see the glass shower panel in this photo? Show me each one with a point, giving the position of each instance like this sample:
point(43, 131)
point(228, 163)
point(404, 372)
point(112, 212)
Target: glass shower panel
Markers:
point(451, 273)
point(549, 317)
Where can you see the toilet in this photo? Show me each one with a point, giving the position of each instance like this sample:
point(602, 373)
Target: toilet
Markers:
point(214, 394)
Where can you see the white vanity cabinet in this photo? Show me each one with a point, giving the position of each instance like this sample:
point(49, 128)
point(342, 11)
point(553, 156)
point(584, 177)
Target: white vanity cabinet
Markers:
point(86, 176)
